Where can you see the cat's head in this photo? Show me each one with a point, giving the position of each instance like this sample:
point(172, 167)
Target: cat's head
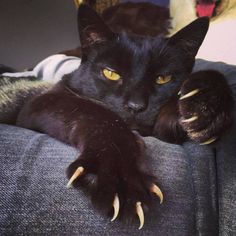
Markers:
point(133, 75)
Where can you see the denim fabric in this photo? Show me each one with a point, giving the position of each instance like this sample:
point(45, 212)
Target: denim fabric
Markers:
point(225, 157)
point(226, 172)
point(34, 199)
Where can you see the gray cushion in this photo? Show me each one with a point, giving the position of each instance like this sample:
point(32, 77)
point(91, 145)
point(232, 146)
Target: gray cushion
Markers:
point(225, 157)
point(34, 198)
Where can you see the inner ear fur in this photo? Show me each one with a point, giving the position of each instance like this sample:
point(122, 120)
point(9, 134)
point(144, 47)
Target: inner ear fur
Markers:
point(92, 28)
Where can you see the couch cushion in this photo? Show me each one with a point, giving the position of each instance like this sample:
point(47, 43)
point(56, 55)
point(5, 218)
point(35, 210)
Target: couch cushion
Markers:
point(34, 198)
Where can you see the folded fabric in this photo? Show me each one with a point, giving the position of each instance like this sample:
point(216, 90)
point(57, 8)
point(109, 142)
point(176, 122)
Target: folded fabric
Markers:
point(52, 68)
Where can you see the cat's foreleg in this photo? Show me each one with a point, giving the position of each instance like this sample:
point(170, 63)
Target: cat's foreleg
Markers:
point(112, 161)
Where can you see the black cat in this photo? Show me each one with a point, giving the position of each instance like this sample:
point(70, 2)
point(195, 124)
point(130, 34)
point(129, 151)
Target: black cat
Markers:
point(128, 83)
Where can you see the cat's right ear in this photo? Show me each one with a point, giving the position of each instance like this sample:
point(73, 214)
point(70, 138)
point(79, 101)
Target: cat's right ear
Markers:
point(92, 28)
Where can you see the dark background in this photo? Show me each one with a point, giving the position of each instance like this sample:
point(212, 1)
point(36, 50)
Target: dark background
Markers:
point(31, 30)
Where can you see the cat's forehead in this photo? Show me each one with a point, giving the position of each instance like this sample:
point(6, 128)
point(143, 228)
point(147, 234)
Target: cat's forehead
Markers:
point(139, 45)
point(130, 51)
point(127, 54)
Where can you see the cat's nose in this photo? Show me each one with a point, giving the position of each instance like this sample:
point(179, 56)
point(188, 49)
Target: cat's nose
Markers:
point(136, 107)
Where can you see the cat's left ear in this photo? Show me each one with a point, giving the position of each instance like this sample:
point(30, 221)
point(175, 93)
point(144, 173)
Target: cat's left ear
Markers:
point(190, 38)
point(92, 29)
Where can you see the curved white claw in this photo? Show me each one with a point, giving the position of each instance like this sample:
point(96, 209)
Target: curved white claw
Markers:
point(209, 141)
point(116, 206)
point(78, 3)
point(190, 94)
point(190, 119)
point(139, 211)
point(155, 189)
point(79, 171)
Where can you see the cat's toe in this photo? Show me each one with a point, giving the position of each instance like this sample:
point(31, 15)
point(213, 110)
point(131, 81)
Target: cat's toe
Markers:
point(141, 204)
point(138, 206)
point(139, 209)
point(126, 197)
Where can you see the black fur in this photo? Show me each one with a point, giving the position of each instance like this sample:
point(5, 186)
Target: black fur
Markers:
point(97, 115)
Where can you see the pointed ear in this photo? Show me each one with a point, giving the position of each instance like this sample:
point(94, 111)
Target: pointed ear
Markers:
point(190, 38)
point(91, 27)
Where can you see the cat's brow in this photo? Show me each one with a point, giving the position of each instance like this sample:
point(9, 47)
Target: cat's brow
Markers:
point(137, 45)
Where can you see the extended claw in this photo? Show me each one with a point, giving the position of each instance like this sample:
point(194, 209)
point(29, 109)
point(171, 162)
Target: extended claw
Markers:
point(190, 119)
point(211, 140)
point(139, 211)
point(79, 171)
point(78, 2)
point(155, 189)
point(116, 206)
point(190, 94)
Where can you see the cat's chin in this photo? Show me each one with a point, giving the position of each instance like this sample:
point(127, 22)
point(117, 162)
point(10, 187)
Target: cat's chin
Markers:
point(139, 127)
point(143, 130)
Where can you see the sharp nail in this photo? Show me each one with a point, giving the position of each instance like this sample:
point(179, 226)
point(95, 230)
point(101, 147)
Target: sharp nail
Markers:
point(116, 206)
point(78, 2)
point(155, 189)
point(209, 141)
point(79, 171)
point(190, 94)
point(139, 211)
point(179, 93)
point(190, 119)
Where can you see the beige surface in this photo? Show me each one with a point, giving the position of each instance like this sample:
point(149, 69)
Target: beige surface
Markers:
point(219, 44)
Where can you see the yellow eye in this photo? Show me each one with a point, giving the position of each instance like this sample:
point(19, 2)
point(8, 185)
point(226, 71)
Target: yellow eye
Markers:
point(111, 75)
point(163, 79)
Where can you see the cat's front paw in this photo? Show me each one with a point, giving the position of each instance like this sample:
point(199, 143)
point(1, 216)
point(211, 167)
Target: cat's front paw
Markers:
point(119, 184)
point(205, 106)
